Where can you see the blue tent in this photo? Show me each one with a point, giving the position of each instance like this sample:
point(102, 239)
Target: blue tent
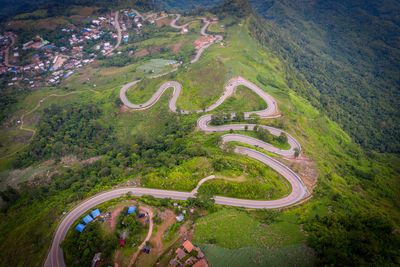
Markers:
point(95, 213)
point(131, 209)
point(80, 227)
point(87, 219)
point(51, 68)
point(132, 14)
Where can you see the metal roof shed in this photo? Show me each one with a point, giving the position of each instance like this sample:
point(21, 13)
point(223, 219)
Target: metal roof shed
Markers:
point(87, 219)
point(96, 213)
point(131, 209)
point(80, 227)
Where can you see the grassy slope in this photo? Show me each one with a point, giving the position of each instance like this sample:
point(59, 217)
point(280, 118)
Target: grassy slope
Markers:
point(339, 160)
point(321, 139)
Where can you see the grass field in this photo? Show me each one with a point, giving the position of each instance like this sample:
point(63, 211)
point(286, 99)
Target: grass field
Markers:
point(203, 83)
point(230, 228)
point(216, 28)
point(242, 100)
point(155, 65)
point(143, 90)
point(295, 255)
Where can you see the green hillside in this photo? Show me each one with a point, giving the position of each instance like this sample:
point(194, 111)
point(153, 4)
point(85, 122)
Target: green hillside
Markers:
point(349, 52)
point(79, 140)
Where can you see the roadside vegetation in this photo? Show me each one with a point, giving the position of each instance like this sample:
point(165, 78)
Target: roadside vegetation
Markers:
point(351, 218)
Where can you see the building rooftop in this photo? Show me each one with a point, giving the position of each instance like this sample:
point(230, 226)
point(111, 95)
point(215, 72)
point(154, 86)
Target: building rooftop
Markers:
point(87, 219)
point(188, 246)
point(180, 254)
point(80, 227)
point(95, 213)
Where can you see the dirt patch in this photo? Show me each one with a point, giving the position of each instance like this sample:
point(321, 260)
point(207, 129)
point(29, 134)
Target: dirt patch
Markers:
point(177, 47)
point(169, 219)
point(155, 49)
point(87, 11)
point(46, 25)
point(116, 256)
point(162, 22)
point(305, 168)
point(95, 65)
point(112, 221)
point(142, 53)
point(59, 62)
point(233, 179)
point(130, 183)
point(75, 19)
point(24, 137)
point(32, 120)
point(145, 52)
point(203, 41)
point(91, 160)
point(67, 160)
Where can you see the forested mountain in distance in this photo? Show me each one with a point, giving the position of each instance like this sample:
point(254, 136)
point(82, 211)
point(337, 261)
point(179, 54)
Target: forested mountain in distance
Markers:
point(349, 51)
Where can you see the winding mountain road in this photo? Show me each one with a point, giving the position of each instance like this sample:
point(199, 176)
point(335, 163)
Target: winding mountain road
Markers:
point(203, 32)
point(298, 193)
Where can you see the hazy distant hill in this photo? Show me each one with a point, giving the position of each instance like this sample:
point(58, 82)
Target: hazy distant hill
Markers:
point(185, 4)
point(10, 8)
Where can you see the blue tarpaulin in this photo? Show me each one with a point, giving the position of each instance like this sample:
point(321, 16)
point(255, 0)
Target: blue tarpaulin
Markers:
point(95, 213)
point(132, 14)
point(80, 227)
point(87, 219)
point(131, 209)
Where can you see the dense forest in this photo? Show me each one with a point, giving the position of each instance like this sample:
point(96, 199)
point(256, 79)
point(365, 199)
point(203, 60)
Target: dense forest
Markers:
point(349, 52)
point(71, 130)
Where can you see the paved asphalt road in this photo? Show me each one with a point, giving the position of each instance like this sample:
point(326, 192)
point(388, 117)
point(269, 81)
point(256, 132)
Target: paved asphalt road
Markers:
point(203, 32)
point(298, 193)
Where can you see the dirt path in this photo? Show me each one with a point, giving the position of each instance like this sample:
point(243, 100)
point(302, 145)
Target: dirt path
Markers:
point(114, 217)
point(150, 212)
point(119, 35)
point(157, 239)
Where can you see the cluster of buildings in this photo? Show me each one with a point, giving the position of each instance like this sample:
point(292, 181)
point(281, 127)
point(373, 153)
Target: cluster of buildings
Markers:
point(204, 40)
point(50, 64)
point(188, 255)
